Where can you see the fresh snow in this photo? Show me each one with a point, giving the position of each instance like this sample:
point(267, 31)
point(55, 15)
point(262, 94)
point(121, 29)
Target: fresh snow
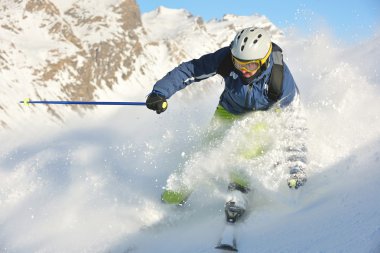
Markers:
point(94, 184)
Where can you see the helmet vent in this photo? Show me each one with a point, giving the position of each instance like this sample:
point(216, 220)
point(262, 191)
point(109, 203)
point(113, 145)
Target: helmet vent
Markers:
point(250, 43)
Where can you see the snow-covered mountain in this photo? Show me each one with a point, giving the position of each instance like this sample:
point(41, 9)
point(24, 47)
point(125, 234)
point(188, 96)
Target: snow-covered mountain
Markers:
point(64, 50)
point(89, 180)
point(78, 50)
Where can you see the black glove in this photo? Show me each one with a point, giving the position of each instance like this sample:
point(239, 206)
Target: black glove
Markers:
point(156, 103)
point(297, 177)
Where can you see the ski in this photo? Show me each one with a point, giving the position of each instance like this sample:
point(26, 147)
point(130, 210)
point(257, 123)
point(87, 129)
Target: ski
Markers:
point(227, 241)
point(234, 209)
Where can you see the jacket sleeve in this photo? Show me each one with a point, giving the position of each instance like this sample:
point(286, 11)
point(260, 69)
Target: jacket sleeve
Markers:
point(295, 138)
point(295, 124)
point(189, 72)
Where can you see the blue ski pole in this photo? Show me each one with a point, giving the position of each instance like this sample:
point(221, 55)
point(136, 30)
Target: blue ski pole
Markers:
point(27, 101)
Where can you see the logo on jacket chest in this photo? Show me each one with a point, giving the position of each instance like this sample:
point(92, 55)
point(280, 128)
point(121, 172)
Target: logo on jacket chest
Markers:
point(234, 75)
point(266, 87)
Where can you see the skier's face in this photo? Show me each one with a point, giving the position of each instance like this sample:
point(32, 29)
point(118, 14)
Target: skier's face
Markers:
point(248, 74)
point(247, 68)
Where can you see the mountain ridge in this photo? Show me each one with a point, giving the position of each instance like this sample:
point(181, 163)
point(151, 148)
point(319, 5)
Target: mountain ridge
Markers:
point(73, 52)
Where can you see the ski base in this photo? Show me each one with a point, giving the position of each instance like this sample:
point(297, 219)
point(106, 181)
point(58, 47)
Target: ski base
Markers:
point(226, 247)
point(228, 241)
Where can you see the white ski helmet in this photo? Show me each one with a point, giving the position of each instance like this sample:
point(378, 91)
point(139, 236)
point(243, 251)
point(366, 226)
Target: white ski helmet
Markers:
point(252, 44)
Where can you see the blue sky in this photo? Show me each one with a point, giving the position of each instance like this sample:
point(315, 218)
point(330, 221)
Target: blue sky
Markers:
point(350, 20)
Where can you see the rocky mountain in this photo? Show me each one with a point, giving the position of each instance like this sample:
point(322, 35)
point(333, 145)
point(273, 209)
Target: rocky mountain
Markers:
point(82, 50)
point(64, 50)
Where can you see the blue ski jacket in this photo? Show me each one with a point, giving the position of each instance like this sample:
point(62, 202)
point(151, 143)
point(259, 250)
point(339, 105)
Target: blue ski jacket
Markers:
point(238, 97)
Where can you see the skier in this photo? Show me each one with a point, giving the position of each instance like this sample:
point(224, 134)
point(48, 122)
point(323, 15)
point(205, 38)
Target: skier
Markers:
point(256, 79)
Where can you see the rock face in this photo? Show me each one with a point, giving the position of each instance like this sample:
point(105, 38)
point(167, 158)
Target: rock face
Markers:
point(72, 48)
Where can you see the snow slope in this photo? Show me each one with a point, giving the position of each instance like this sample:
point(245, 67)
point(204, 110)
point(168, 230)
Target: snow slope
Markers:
point(94, 185)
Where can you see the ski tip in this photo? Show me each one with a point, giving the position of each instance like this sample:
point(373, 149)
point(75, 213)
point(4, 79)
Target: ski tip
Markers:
point(227, 248)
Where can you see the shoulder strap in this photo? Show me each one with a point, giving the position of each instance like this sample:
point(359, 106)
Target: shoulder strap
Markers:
point(277, 75)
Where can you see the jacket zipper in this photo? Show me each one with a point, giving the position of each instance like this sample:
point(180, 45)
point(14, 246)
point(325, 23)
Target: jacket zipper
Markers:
point(247, 96)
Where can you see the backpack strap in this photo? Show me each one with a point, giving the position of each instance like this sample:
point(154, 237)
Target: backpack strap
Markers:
point(277, 74)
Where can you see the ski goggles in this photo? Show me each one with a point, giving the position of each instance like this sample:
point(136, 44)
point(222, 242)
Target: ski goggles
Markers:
point(252, 65)
point(248, 66)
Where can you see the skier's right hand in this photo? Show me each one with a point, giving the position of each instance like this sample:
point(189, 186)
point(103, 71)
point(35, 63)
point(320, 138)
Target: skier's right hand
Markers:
point(156, 103)
point(297, 177)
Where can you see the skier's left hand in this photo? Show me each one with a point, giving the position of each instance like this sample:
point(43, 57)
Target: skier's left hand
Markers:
point(297, 177)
